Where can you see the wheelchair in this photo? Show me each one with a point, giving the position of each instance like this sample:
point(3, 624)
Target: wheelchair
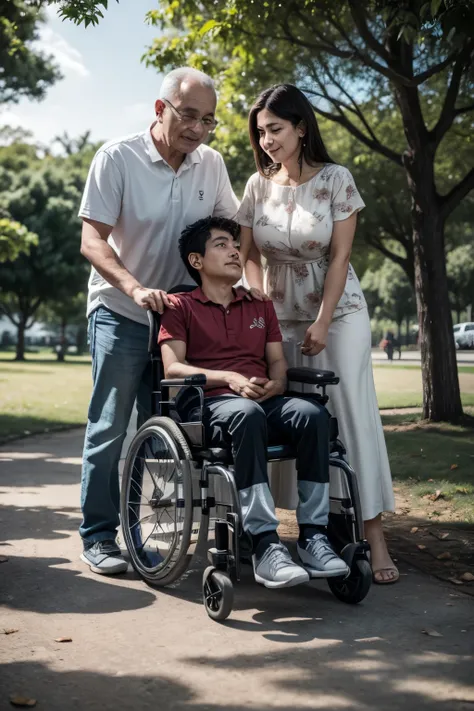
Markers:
point(177, 493)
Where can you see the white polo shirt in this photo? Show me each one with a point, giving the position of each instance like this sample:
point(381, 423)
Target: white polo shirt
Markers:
point(131, 187)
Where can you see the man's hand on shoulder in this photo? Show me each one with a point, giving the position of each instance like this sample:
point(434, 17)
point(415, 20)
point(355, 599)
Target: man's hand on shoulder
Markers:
point(253, 388)
point(272, 388)
point(154, 299)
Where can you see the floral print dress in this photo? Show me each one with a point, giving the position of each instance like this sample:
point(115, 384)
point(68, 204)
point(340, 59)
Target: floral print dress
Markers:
point(292, 228)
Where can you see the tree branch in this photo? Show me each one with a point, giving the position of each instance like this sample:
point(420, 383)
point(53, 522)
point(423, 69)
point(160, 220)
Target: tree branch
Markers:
point(448, 111)
point(360, 19)
point(464, 109)
point(450, 201)
point(436, 69)
point(342, 119)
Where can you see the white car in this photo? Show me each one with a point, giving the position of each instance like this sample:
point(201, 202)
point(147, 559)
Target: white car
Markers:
point(464, 335)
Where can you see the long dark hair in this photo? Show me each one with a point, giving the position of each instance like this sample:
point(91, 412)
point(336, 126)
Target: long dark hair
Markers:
point(289, 103)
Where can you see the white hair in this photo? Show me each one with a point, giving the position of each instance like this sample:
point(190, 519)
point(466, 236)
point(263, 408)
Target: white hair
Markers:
point(173, 81)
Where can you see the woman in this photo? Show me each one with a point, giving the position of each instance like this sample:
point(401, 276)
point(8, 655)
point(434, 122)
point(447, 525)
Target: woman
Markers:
point(300, 211)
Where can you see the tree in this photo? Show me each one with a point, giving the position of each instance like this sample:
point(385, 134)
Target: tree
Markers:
point(24, 71)
point(45, 201)
point(390, 295)
point(460, 268)
point(88, 12)
point(66, 314)
point(412, 57)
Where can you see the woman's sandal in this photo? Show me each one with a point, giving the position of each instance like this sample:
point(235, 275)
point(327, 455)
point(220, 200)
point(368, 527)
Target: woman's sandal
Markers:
point(390, 581)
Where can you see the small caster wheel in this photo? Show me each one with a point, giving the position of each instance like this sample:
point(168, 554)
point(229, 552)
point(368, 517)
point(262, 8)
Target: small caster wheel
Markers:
point(217, 593)
point(355, 587)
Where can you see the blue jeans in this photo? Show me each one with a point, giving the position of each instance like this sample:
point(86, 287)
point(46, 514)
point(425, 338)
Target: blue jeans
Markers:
point(121, 373)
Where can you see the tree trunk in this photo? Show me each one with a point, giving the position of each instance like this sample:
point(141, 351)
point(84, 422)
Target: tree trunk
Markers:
point(458, 313)
point(407, 336)
point(441, 394)
point(20, 343)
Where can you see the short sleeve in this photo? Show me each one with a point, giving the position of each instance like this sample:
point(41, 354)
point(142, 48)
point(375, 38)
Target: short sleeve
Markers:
point(345, 198)
point(273, 328)
point(102, 197)
point(227, 204)
point(173, 324)
point(246, 212)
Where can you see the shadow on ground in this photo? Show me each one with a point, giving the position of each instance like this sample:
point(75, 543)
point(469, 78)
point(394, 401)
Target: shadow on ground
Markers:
point(370, 676)
point(40, 522)
point(39, 585)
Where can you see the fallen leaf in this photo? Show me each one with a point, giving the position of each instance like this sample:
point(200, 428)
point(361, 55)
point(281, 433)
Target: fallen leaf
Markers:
point(431, 632)
point(444, 556)
point(430, 479)
point(439, 536)
point(63, 639)
point(455, 581)
point(414, 529)
point(438, 495)
point(467, 577)
point(421, 547)
point(3, 559)
point(454, 466)
point(22, 701)
point(10, 630)
point(461, 490)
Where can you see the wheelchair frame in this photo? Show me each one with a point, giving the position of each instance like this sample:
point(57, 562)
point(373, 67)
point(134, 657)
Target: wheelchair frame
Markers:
point(345, 529)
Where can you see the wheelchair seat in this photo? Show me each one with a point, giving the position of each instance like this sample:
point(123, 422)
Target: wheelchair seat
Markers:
point(221, 455)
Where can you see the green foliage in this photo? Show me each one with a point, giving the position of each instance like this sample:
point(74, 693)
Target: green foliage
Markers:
point(88, 12)
point(44, 198)
point(15, 239)
point(24, 71)
point(389, 293)
point(460, 267)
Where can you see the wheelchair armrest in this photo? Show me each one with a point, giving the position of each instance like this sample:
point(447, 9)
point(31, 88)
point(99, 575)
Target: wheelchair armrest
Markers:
point(197, 380)
point(311, 376)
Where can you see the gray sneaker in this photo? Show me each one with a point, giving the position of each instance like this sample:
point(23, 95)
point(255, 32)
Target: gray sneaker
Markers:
point(320, 560)
point(105, 558)
point(276, 569)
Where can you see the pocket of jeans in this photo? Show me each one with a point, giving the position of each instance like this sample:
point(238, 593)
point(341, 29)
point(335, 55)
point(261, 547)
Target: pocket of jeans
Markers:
point(91, 333)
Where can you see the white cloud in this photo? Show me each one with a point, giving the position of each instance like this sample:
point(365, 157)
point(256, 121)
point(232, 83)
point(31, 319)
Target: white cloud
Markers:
point(68, 58)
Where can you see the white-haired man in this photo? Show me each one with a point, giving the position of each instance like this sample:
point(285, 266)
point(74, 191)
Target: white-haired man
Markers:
point(140, 194)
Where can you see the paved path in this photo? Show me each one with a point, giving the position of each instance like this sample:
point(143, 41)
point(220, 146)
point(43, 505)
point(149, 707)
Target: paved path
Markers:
point(137, 648)
point(414, 357)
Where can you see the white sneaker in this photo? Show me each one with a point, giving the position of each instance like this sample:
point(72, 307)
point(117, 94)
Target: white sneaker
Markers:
point(276, 568)
point(320, 560)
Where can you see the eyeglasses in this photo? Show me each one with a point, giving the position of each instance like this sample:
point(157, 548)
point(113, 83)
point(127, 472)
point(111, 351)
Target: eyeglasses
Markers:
point(209, 124)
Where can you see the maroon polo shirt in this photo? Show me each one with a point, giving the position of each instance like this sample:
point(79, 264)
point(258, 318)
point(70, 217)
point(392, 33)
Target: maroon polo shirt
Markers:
point(222, 338)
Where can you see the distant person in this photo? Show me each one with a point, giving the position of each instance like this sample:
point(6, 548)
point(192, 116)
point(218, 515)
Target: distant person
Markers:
point(300, 211)
point(141, 193)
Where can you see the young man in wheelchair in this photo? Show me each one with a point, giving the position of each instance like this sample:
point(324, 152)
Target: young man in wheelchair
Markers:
point(236, 343)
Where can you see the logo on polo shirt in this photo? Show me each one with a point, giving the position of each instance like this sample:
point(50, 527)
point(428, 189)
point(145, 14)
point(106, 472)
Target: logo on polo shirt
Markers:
point(258, 323)
point(201, 194)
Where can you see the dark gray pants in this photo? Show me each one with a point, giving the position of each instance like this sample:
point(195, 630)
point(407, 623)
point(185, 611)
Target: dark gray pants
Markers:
point(248, 427)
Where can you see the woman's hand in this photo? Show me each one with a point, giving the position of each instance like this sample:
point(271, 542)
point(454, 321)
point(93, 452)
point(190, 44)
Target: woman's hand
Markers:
point(315, 339)
point(257, 294)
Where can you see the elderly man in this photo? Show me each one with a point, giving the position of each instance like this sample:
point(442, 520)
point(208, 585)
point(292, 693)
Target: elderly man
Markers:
point(140, 194)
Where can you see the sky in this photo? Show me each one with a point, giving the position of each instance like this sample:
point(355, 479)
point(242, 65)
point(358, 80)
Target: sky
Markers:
point(105, 89)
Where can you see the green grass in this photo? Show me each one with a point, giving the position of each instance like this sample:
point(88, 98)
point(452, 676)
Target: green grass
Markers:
point(427, 458)
point(41, 394)
point(414, 366)
point(401, 387)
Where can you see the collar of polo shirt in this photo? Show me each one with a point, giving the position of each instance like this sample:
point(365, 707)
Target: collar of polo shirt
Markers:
point(155, 155)
point(199, 295)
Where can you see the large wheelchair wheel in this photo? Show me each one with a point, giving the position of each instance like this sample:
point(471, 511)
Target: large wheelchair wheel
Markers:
point(355, 587)
point(157, 501)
